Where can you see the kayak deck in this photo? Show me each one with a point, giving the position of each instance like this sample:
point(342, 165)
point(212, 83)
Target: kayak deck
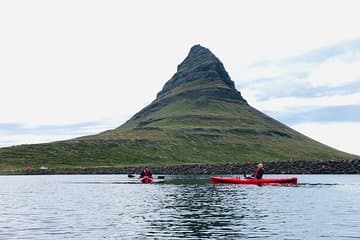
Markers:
point(263, 181)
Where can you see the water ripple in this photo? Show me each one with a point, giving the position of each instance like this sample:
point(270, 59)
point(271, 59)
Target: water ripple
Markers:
point(181, 207)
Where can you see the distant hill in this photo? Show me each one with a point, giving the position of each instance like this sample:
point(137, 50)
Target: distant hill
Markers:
point(198, 117)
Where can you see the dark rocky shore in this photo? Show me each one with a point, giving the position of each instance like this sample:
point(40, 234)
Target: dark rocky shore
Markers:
point(294, 167)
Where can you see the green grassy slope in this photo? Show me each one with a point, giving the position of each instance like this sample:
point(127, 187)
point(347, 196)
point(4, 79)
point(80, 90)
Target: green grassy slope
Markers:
point(185, 131)
point(201, 120)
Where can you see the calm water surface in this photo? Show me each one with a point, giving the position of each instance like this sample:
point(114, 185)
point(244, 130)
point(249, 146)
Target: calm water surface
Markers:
point(180, 207)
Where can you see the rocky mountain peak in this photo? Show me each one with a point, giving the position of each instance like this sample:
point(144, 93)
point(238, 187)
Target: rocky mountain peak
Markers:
point(198, 55)
point(200, 63)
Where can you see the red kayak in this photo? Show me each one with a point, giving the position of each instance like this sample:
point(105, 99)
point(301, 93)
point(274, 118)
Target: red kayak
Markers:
point(146, 179)
point(263, 181)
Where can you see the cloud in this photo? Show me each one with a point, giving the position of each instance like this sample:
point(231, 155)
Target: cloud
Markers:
point(288, 104)
point(15, 134)
point(7, 140)
point(342, 136)
point(343, 49)
point(346, 113)
point(325, 71)
point(336, 72)
point(316, 93)
point(318, 86)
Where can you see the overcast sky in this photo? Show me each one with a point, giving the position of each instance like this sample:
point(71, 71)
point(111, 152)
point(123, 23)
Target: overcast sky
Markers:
point(73, 68)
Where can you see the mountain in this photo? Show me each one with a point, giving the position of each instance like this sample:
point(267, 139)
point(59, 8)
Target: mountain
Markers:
point(198, 117)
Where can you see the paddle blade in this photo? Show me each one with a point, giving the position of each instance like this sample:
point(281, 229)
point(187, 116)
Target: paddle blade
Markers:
point(130, 176)
point(160, 177)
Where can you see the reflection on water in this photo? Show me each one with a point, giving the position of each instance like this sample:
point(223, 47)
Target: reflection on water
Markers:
point(178, 207)
point(198, 211)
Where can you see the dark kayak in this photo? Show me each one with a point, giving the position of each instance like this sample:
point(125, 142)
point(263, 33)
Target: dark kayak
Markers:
point(264, 181)
point(146, 179)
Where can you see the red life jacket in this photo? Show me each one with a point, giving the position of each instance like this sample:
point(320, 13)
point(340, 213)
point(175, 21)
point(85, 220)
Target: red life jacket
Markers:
point(146, 172)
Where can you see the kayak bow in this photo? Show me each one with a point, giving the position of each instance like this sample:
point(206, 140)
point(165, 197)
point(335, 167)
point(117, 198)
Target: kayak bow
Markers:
point(263, 181)
point(146, 179)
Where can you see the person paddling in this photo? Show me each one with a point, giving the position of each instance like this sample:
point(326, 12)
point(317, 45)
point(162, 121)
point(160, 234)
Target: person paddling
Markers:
point(259, 171)
point(146, 172)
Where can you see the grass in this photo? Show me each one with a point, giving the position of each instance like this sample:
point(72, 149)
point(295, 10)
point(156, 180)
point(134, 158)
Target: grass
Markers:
point(180, 130)
point(174, 140)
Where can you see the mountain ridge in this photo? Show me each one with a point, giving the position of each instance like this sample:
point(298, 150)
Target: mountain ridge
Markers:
point(200, 74)
point(198, 117)
point(200, 63)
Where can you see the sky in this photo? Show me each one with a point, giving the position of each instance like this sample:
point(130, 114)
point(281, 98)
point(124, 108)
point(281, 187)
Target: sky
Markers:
point(74, 68)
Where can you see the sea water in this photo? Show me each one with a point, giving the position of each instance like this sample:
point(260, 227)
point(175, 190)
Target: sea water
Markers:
point(178, 207)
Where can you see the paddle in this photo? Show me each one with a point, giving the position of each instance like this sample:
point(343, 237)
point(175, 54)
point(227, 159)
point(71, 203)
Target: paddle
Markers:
point(244, 173)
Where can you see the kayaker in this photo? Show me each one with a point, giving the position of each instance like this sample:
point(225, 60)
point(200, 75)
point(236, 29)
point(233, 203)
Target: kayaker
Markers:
point(259, 171)
point(145, 172)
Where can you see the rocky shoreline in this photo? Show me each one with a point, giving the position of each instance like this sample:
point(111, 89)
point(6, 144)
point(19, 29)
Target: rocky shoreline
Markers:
point(293, 167)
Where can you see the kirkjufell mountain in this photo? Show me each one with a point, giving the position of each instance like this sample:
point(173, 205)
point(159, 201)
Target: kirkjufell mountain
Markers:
point(197, 117)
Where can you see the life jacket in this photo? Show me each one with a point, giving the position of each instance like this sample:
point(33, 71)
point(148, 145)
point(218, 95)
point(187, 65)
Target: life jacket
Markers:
point(259, 173)
point(146, 172)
